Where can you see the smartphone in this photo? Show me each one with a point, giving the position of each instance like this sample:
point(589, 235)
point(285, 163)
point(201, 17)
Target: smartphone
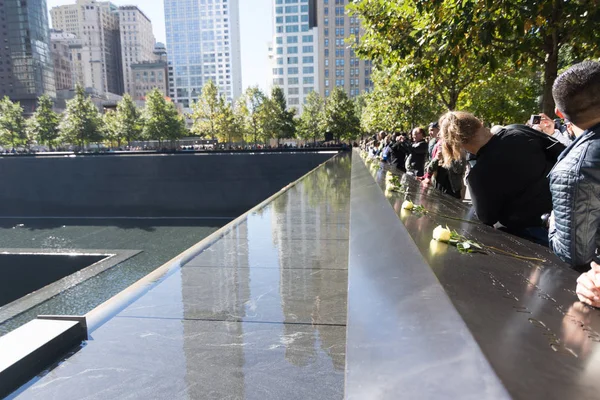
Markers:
point(535, 120)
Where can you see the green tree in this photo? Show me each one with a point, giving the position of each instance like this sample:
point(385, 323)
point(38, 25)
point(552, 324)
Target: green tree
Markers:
point(279, 121)
point(129, 120)
point(205, 110)
point(310, 125)
point(227, 124)
point(470, 35)
point(12, 123)
point(340, 116)
point(405, 36)
point(161, 119)
point(504, 99)
point(81, 123)
point(111, 129)
point(255, 117)
point(43, 125)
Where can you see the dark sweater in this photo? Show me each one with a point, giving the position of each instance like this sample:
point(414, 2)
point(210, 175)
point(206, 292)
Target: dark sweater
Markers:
point(417, 156)
point(508, 182)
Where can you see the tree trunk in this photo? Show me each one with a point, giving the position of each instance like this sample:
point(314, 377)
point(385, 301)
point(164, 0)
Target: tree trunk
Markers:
point(550, 74)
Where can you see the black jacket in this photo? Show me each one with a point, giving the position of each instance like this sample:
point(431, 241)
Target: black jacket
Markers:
point(575, 187)
point(417, 156)
point(508, 183)
point(399, 154)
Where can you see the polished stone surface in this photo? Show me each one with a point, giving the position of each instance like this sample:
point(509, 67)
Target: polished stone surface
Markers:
point(158, 240)
point(404, 338)
point(524, 315)
point(260, 314)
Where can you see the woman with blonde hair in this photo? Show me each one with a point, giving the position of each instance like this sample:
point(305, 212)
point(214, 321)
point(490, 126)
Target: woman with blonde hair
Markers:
point(508, 179)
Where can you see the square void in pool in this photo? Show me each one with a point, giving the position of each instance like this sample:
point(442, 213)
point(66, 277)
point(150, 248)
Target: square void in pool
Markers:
point(25, 273)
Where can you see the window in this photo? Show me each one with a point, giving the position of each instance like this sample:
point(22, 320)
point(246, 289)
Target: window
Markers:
point(293, 81)
point(326, 82)
point(293, 91)
point(292, 60)
point(292, 39)
point(308, 90)
point(308, 60)
point(292, 70)
point(308, 80)
point(292, 50)
point(292, 28)
point(279, 10)
point(308, 49)
point(291, 9)
point(279, 40)
point(307, 39)
point(280, 50)
point(308, 70)
point(291, 18)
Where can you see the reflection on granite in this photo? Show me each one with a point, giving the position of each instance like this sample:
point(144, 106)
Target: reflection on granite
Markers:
point(177, 359)
point(241, 294)
point(260, 314)
point(524, 315)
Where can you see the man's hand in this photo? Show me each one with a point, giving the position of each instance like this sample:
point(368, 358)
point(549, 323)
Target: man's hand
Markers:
point(588, 286)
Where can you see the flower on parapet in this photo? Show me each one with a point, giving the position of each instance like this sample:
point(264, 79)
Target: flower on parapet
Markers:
point(442, 234)
point(408, 205)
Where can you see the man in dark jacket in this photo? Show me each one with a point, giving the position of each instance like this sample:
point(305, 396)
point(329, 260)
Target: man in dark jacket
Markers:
point(575, 180)
point(417, 153)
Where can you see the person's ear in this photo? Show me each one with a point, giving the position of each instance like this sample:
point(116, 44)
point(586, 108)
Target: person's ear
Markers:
point(559, 113)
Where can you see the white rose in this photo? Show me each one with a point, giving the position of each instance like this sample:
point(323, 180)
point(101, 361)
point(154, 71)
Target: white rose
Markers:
point(408, 205)
point(442, 234)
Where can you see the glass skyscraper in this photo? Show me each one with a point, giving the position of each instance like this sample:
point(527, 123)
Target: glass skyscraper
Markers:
point(203, 42)
point(294, 51)
point(26, 64)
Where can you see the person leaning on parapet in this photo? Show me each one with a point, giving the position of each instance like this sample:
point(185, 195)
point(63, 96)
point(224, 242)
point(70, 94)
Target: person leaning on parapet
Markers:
point(575, 180)
point(508, 177)
point(417, 152)
point(434, 133)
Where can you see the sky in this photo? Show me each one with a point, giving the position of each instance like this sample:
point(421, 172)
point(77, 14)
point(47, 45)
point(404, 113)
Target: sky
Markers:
point(256, 28)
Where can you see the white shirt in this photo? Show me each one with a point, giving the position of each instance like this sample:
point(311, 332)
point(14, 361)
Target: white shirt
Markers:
point(558, 135)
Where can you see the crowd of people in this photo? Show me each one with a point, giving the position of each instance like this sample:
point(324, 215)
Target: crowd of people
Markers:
point(539, 180)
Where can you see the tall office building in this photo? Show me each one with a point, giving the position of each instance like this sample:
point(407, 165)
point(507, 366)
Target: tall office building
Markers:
point(26, 65)
point(203, 38)
point(338, 64)
point(294, 51)
point(63, 44)
point(137, 42)
point(96, 25)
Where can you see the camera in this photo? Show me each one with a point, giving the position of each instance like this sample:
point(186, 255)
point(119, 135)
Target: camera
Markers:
point(535, 120)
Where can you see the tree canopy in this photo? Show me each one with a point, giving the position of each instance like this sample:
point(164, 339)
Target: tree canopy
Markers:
point(44, 123)
point(12, 123)
point(81, 123)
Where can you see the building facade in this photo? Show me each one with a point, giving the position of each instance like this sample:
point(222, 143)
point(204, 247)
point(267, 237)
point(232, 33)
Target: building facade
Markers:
point(339, 66)
point(62, 48)
point(97, 62)
point(137, 42)
point(294, 51)
point(26, 64)
point(203, 38)
point(147, 76)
